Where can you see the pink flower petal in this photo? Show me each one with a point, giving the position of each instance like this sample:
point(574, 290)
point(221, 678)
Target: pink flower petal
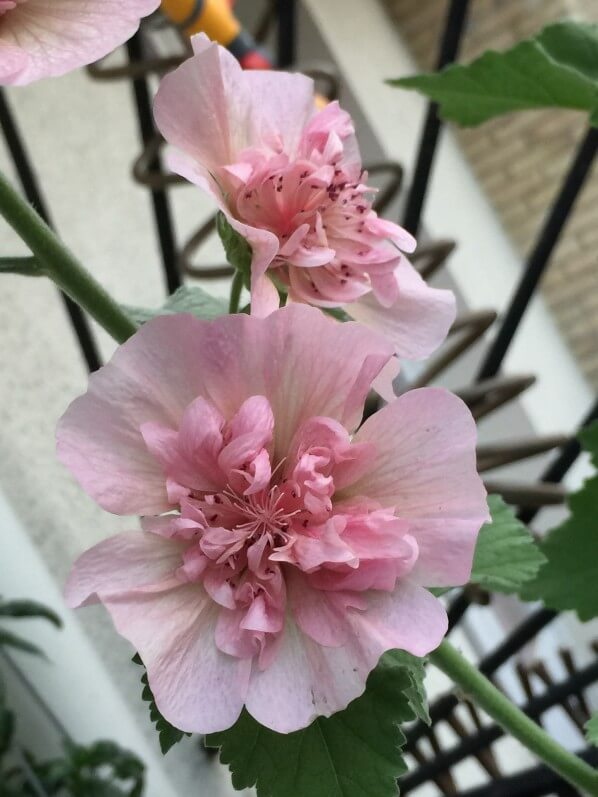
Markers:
point(264, 247)
point(131, 560)
point(309, 553)
point(333, 119)
point(307, 680)
point(189, 456)
point(419, 319)
point(56, 36)
point(12, 62)
point(212, 110)
point(304, 363)
point(202, 107)
point(426, 469)
point(197, 688)
point(251, 430)
point(283, 103)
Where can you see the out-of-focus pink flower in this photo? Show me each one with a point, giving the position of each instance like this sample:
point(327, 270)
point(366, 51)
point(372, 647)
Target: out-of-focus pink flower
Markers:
point(283, 554)
point(45, 38)
point(289, 179)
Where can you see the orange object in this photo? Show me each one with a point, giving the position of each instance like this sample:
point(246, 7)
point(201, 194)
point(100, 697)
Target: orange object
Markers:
point(212, 17)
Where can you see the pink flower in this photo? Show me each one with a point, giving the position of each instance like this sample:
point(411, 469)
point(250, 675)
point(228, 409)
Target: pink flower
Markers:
point(290, 180)
point(44, 38)
point(292, 552)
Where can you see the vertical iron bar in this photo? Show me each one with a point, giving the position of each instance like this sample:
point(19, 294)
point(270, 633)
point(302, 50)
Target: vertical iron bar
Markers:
point(457, 609)
point(287, 33)
point(539, 258)
point(32, 191)
point(449, 47)
point(161, 205)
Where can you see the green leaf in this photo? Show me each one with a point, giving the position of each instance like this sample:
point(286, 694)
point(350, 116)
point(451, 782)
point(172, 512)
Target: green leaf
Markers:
point(236, 248)
point(27, 608)
point(555, 69)
point(168, 735)
point(569, 577)
point(506, 555)
point(10, 640)
point(574, 44)
point(354, 753)
point(416, 691)
point(591, 728)
point(101, 766)
point(184, 300)
point(338, 313)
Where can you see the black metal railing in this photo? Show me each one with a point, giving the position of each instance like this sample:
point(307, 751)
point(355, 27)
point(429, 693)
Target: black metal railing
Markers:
point(31, 189)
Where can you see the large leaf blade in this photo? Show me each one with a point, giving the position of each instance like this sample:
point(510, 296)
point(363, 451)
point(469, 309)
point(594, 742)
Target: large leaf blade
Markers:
point(354, 753)
point(555, 69)
point(184, 300)
point(567, 581)
point(506, 555)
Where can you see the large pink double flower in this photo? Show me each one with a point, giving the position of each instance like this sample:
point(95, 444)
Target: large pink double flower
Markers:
point(289, 179)
point(44, 38)
point(282, 552)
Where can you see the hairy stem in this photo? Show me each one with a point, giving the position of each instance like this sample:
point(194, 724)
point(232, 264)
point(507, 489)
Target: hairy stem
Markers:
point(61, 266)
point(514, 721)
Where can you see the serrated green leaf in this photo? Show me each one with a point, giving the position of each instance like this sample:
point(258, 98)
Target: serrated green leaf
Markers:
point(168, 735)
point(591, 729)
point(568, 579)
point(184, 300)
point(354, 753)
point(555, 69)
point(416, 672)
point(27, 608)
point(506, 554)
point(10, 640)
point(237, 250)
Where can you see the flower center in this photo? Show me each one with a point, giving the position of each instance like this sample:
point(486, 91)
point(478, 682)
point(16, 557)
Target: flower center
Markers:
point(247, 520)
point(265, 513)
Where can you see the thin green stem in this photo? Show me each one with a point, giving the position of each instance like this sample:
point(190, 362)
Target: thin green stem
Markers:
point(28, 266)
point(513, 720)
point(61, 266)
point(235, 292)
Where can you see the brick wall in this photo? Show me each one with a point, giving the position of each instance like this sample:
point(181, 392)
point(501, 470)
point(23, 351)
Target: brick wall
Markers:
point(520, 159)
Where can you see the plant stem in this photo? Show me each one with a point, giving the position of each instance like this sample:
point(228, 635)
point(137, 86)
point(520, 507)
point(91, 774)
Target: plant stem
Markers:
point(61, 266)
point(513, 720)
point(28, 266)
point(235, 292)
